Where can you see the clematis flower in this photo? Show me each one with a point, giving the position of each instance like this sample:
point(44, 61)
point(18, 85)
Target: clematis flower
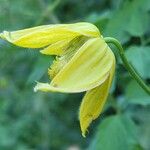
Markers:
point(84, 63)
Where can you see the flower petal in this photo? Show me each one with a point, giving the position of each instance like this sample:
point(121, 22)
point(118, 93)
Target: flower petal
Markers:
point(56, 48)
point(87, 69)
point(42, 36)
point(68, 51)
point(86, 29)
point(64, 47)
point(93, 103)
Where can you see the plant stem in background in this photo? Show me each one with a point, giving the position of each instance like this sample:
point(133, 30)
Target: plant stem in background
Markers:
point(127, 65)
point(49, 12)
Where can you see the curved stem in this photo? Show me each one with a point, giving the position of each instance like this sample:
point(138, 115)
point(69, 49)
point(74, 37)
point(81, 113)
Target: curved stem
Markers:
point(127, 65)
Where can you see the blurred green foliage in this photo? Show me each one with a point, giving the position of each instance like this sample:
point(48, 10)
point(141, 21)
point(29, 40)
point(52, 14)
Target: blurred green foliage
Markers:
point(44, 121)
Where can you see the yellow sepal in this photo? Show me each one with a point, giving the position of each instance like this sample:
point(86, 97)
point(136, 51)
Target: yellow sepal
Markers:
point(56, 48)
point(94, 101)
point(41, 36)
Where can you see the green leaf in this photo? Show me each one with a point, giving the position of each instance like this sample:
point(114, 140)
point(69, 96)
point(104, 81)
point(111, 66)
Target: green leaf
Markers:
point(136, 95)
point(115, 133)
point(139, 23)
point(130, 20)
point(139, 58)
point(100, 20)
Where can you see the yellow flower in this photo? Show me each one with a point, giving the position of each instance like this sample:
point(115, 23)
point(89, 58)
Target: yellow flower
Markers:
point(84, 62)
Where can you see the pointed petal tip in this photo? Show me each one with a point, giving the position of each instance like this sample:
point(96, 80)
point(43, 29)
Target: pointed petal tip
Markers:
point(84, 124)
point(83, 134)
point(42, 51)
point(5, 35)
point(35, 89)
point(40, 86)
point(1, 36)
point(45, 87)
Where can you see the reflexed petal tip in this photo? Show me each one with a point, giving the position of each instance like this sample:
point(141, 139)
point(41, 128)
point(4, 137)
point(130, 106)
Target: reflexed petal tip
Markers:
point(1, 35)
point(45, 87)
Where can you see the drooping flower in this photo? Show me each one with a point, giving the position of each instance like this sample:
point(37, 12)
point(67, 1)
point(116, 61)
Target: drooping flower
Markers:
point(84, 62)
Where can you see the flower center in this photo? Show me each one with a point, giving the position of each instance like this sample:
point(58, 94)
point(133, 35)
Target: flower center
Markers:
point(69, 52)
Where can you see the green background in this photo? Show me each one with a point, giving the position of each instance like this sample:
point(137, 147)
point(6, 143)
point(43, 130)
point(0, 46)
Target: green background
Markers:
point(49, 121)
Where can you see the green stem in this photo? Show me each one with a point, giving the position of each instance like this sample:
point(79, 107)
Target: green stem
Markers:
point(127, 65)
